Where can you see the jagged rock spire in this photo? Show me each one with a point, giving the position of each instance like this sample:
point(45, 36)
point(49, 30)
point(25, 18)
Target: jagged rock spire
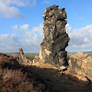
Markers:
point(52, 48)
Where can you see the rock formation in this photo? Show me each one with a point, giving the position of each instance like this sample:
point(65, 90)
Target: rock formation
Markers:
point(52, 49)
point(81, 64)
point(22, 59)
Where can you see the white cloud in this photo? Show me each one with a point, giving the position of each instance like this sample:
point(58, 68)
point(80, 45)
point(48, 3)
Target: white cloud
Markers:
point(15, 27)
point(33, 3)
point(9, 8)
point(80, 39)
point(24, 27)
point(21, 27)
point(8, 43)
point(22, 37)
point(68, 28)
point(14, 2)
point(45, 2)
point(30, 39)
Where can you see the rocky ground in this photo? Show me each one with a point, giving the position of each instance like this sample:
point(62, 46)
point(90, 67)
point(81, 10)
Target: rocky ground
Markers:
point(40, 77)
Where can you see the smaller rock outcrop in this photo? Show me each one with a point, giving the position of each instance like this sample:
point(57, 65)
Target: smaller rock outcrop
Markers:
point(81, 64)
point(36, 59)
point(23, 59)
point(52, 49)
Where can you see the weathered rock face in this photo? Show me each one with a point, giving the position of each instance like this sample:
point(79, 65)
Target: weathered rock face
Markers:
point(22, 59)
point(81, 64)
point(52, 49)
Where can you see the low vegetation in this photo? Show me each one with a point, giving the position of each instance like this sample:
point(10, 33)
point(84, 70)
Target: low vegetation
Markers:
point(17, 78)
point(30, 55)
point(36, 78)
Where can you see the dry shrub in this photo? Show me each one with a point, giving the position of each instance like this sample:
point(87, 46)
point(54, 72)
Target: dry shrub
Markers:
point(14, 79)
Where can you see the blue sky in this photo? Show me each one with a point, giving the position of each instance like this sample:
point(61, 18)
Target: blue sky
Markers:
point(21, 24)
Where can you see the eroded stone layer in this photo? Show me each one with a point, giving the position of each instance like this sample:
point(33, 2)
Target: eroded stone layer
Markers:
point(52, 48)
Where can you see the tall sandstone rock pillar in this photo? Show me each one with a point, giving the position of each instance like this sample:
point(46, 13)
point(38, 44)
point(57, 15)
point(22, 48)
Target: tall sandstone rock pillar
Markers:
point(52, 48)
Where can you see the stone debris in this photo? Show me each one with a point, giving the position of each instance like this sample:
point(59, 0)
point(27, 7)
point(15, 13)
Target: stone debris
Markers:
point(52, 48)
point(36, 59)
